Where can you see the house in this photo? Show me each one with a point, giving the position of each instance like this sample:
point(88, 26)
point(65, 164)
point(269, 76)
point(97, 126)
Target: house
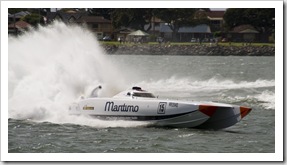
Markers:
point(161, 29)
point(70, 16)
point(185, 34)
point(98, 24)
point(17, 16)
point(216, 20)
point(18, 27)
point(244, 33)
point(154, 26)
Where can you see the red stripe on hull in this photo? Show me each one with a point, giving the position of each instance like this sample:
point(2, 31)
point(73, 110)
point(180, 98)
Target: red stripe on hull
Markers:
point(244, 111)
point(209, 110)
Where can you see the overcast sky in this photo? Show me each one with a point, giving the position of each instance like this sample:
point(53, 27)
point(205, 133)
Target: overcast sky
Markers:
point(216, 9)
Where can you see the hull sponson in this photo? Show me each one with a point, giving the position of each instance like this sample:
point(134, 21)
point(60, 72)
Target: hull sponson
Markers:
point(139, 118)
point(224, 117)
point(186, 120)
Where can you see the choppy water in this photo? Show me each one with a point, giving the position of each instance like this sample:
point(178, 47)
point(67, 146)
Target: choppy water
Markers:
point(60, 63)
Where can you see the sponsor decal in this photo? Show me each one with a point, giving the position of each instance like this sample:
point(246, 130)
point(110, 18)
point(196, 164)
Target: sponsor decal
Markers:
point(111, 106)
point(161, 108)
point(171, 104)
point(88, 108)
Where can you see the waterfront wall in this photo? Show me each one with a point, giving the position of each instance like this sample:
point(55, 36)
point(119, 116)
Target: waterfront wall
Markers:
point(209, 50)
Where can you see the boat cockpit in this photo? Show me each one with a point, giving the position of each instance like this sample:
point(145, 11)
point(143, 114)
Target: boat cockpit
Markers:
point(141, 94)
point(135, 92)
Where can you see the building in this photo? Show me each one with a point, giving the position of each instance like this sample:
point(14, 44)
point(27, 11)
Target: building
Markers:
point(154, 26)
point(186, 34)
point(99, 25)
point(216, 20)
point(70, 16)
point(18, 27)
point(17, 16)
point(202, 32)
point(244, 33)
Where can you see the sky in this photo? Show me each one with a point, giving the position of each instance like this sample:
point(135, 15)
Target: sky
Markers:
point(217, 9)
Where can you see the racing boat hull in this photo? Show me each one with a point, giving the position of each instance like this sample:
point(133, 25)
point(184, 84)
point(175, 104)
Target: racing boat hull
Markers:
point(165, 113)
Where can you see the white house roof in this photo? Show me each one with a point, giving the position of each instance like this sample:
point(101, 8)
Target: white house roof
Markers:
point(249, 31)
point(138, 33)
point(19, 14)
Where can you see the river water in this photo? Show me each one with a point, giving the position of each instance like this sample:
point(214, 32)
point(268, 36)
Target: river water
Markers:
point(57, 69)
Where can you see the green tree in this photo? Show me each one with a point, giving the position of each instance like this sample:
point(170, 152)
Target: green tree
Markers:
point(33, 19)
point(120, 17)
point(41, 11)
point(135, 18)
point(138, 18)
point(15, 10)
point(105, 12)
point(262, 19)
point(234, 17)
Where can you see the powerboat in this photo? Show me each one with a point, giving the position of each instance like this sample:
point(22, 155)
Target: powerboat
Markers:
point(136, 104)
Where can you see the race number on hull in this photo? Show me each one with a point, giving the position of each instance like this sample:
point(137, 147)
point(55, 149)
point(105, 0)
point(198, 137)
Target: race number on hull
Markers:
point(161, 108)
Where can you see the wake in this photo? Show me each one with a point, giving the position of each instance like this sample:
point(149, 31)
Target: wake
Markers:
point(214, 89)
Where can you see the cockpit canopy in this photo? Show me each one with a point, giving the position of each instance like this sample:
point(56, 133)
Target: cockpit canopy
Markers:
point(143, 94)
point(135, 92)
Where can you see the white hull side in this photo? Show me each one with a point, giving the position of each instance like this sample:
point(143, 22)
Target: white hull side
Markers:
point(169, 113)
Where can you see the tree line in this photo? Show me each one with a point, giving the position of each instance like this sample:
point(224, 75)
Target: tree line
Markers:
point(262, 19)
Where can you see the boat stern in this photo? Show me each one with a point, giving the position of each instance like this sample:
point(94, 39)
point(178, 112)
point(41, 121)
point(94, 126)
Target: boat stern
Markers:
point(222, 116)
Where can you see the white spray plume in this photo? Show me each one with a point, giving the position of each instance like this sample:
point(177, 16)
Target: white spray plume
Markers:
point(51, 66)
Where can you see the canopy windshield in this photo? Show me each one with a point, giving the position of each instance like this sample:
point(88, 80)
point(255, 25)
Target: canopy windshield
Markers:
point(148, 95)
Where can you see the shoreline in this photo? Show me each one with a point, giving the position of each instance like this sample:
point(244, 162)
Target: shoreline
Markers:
point(189, 50)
